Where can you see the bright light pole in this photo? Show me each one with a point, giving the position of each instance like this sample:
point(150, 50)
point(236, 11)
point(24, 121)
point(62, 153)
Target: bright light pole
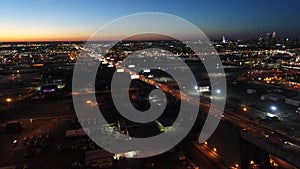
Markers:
point(244, 111)
point(8, 101)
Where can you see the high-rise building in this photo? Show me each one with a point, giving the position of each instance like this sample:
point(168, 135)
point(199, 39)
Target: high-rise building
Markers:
point(224, 40)
point(274, 35)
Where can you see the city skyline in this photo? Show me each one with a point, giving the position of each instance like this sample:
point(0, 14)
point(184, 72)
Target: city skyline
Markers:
point(149, 84)
point(51, 20)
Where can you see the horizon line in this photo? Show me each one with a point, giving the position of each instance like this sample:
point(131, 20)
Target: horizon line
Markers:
point(138, 39)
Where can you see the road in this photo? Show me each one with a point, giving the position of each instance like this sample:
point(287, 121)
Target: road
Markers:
point(277, 138)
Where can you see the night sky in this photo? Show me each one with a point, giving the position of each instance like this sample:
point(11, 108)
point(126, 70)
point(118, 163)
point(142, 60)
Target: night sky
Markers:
point(35, 20)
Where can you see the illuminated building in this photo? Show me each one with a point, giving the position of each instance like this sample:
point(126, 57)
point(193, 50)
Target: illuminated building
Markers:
point(50, 84)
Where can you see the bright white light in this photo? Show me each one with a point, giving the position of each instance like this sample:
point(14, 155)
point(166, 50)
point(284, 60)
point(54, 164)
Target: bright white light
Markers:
point(146, 70)
point(274, 108)
point(135, 76)
point(204, 89)
point(196, 87)
point(218, 91)
point(270, 114)
point(120, 70)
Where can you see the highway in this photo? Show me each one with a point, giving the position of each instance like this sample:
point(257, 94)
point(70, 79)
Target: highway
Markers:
point(256, 129)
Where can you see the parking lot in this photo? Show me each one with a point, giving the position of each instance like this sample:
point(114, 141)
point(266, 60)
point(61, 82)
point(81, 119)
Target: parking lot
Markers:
point(288, 118)
point(42, 144)
point(37, 145)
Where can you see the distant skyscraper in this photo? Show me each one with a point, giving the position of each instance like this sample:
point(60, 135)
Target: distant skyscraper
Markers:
point(270, 35)
point(274, 35)
point(224, 40)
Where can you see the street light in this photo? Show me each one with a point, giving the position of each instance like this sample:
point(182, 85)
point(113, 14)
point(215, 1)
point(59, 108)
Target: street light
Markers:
point(8, 100)
point(244, 109)
point(273, 108)
point(196, 87)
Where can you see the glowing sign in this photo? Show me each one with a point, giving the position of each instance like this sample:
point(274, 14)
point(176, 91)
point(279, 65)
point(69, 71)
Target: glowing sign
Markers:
point(49, 90)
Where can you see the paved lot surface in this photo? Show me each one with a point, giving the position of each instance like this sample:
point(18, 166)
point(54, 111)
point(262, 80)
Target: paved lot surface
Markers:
point(51, 132)
point(289, 121)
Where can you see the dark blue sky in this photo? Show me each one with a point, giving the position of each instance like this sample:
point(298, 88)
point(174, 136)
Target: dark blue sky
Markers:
point(78, 19)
